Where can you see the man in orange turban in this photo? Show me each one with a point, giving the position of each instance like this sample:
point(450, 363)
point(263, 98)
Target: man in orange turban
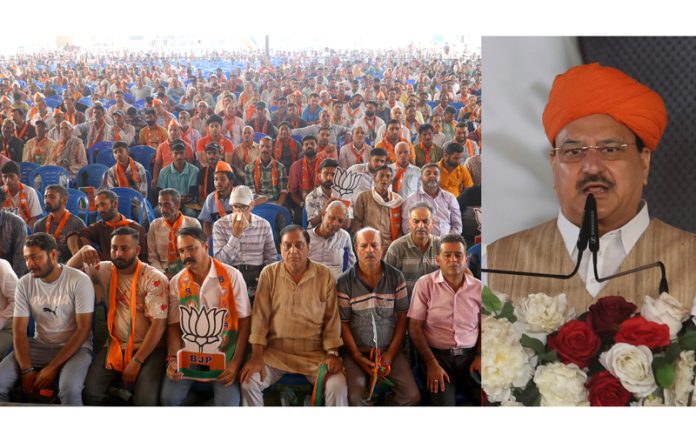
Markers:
point(603, 127)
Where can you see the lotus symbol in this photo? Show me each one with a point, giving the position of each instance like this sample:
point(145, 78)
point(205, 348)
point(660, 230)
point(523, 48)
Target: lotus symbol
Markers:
point(201, 326)
point(345, 182)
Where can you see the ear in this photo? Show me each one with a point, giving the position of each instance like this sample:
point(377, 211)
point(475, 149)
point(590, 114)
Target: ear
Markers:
point(645, 157)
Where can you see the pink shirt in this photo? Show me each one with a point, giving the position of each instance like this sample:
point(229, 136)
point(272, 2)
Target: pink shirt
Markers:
point(451, 319)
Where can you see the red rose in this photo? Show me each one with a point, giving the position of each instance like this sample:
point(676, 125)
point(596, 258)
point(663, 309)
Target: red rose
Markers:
point(608, 313)
point(575, 343)
point(640, 331)
point(607, 391)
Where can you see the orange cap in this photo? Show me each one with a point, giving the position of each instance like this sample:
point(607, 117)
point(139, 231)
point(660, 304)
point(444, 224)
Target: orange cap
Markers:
point(223, 166)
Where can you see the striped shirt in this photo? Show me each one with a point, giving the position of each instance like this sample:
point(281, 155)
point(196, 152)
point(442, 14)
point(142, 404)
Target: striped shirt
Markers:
point(267, 188)
point(331, 251)
point(255, 247)
point(405, 255)
point(140, 186)
point(360, 304)
point(447, 216)
point(158, 245)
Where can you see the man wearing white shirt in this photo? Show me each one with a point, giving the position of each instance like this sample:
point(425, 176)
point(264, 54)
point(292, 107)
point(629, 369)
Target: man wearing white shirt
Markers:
point(329, 242)
point(8, 284)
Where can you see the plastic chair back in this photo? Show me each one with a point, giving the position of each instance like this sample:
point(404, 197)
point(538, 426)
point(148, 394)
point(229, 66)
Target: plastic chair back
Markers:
point(92, 175)
point(258, 136)
point(144, 155)
point(25, 170)
point(125, 202)
point(105, 157)
point(77, 203)
point(270, 212)
point(49, 175)
point(93, 151)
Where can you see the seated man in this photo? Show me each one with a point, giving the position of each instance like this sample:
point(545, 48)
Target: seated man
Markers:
point(266, 175)
point(21, 200)
point(213, 285)
point(100, 232)
point(161, 236)
point(217, 204)
point(61, 301)
point(136, 298)
point(444, 323)
point(373, 302)
point(164, 156)
point(355, 152)
point(447, 217)
point(121, 130)
point(59, 223)
point(406, 175)
point(182, 176)
point(152, 135)
point(302, 177)
point(318, 199)
point(328, 242)
point(414, 253)
point(36, 149)
point(366, 173)
point(295, 326)
point(214, 130)
point(454, 176)
point(242, 239)
point(247, 151)
point(69, 151)
point(13, 231)
point(379, 208)
point(8, 285)
point(426, 150)
point(126, 172)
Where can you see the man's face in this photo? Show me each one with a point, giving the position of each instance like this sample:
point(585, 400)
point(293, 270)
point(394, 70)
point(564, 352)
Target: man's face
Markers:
point(247, 134)
point(284, 132)
point(53, 201)
point(265, 149)
point(121, 155)
point(11, 180)
point(124, 251)
point(106, 209)
point(448, 117)
point(452, 259)
point(69, 104)
point(616, 184)
point(292, 110)
point(99, 114)
point(460, 134)
point(212, 156)
point(39, 262)
point(167, 206)
point(202, 109)
point(437, 123)
point(326, 177)
point(403, 154)
point(427, 138)
point(383, 180)
point(324, 118)
point(150, 119)
point(40, 130)
point(184, 119)
point(314, 102)
point(359, 135)
point(174, 133)
point(214, 129)
point(430, 178)
point(333, 219)
point(323, 137)
point(368, 247)
point(370, 109)
point(178, 158)
point(454, 159)
point(119, 120)
point(411, 113)
point(119, 99)
point(221, 182)
point(397, 113)
point(8, 129)
point(191, 250)
point(293, 248)
point(393, 132)
point(421, 223)
point(309, 147)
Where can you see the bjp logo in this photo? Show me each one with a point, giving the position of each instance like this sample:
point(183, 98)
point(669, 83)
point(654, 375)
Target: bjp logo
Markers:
point(202, 326)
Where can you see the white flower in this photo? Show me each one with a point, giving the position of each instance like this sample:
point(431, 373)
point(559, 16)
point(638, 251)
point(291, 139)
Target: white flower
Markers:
point(650, 401)
point(540, 313)
point(504, 362)
point(683, 379)
point(561, 385)
point(632, 365)
point(665, 310)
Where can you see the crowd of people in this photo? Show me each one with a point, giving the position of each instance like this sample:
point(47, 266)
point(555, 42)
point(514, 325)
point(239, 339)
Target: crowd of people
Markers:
point(326, 202)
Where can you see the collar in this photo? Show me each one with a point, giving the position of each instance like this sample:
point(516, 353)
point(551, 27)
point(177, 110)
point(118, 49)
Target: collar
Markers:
point(629, 233)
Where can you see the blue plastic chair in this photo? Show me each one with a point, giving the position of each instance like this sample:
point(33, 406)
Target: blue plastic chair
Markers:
point(92, 175)
point(78, 203)
point(128, 98)
point(144, 155)
point(53, 102)
point(305, 222)
point(86, 101)
point(258, 136)
point(105, 157)
point(93, 151)
point(49, 175)
point(474, 251)
point(139, 104)
point(25, 170)
point(298, 139)
point(125, 198)
point(270, 212)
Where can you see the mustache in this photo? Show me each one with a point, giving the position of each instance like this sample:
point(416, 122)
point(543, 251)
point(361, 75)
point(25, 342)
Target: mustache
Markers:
point(594, 179)
point(187, 260)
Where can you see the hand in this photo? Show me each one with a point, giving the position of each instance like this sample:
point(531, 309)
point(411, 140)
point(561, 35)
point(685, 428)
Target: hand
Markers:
point(28, 382)
point(130, 373)
point(90, 256)
point(388, 357)
point(436, 377)
point(254, 365)
point(45, 377)
point(475, 365)
point(334, 364)
point(238, 225)
point(173, 372)
point(153, 184)
point(365, 364)
point(228, 376)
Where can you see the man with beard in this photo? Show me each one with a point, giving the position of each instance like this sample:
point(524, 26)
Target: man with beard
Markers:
point(414, 254)
point(454, 176)
point(23, 129)
point(406, 175)
point(302, 175)
point(61, 302)
point(355, 152)
point(379, 208)
point(217, 203)
point(373, 302)
point(37, 148)
point(392, 136)
point(426, 150)
point(21, 200)
point(242, 239)
point(11, 147)
point(294, 118)
point(153, 134)
point(260, 123)
point(328, 241)
point(126, 172)
point(366, 172)
point(69, 151)
point(136, 298)
point(121, 131)
point(447, 217)
point(59, 223)
point(461, 136)
point(246, 152)
point(266, 176)
point(285, 148)
point(211, 284)
point(281, 113)
point(353, 110)
point(318, 199)
point(161, 236)
point(92, 132)
point(100, 232)
point(214, 128)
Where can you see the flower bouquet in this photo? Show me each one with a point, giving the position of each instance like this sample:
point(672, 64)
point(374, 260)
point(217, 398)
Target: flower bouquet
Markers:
point(537, 352)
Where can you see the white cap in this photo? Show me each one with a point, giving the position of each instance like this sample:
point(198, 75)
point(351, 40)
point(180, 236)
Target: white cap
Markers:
point(241, 195)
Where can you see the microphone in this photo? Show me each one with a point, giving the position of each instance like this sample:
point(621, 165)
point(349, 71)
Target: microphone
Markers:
point(594, 249)
point(583, 240)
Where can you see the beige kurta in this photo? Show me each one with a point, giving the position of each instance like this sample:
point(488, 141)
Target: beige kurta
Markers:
point(297, 323)
point(368, 213)
point(541, 249)
point(72, 157)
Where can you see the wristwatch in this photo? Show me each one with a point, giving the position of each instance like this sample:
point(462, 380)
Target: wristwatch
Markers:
point(26, 371)
point(332, 353)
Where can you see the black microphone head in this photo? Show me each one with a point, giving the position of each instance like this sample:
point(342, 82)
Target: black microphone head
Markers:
point(584, 235)
point(591, 211)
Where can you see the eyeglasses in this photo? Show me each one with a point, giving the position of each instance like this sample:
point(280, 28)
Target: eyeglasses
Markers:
point(574, 152)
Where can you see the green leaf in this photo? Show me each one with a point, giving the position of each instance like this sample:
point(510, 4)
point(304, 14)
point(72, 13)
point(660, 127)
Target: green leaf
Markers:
point(549, 357)
point(529, 395)
point(672, 352)
point(664, 372)
point(535, 344)
point(688, 340)
point(490, 301)
point(507, 312)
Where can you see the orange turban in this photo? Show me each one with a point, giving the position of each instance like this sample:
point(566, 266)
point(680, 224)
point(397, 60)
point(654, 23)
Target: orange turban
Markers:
point(174, 123)
point(222, 166)
point(594, 89)
point(156, 101)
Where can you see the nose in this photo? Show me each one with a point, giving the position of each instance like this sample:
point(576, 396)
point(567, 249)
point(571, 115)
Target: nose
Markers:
point(592, 162)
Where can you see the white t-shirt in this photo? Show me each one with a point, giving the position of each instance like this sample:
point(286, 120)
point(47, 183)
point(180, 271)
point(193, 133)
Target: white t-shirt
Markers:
point(54, 306)
point(32, 202)
point(8, 284)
